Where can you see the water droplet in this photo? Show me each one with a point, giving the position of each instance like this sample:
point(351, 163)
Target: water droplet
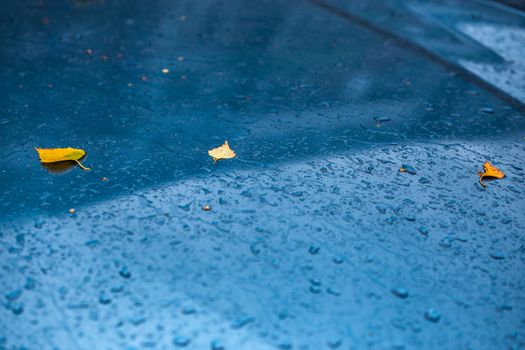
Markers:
point(424, 180)
point(30, 283)
point(188, 310)
point(423, 230)
point(446, 242)
point(314, 282)
point(338, 259)
point(217, 345)
point(313, 249)
point(314, 289)
point(77, 306)
point(104, 299)
point(285, 346)
point(254, 248)
point(17, 308)
point(117, 289)
point(334, 343)
point(181, 341)
point(432, 315)
point(405, 168)
point(382, 119)
point(124, 272)
point(497, 255)
point(92, 243)
point(282, 315)
point(504, 307)
point(185, 207)
point(241, 322)
point(137, 320)
point(400, 292)
point(13, 295)
point(333, 291)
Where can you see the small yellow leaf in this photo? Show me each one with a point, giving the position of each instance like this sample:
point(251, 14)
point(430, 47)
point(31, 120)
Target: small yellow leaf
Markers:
point(222, 152)
point(52, 155)
point(490, 171)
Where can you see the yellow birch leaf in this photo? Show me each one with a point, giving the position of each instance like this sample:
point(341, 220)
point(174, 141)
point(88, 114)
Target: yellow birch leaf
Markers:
point(222, 152)
point(491, 172)
point(53, 155)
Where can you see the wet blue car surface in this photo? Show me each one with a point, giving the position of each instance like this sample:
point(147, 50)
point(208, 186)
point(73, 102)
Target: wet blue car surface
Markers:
point(314, 239)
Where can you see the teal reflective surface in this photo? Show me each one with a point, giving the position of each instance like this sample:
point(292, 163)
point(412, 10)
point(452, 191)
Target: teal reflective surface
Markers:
point(314, 239)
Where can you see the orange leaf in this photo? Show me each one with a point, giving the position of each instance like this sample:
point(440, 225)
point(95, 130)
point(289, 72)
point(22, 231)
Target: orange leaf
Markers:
point(53, 155)
point(222, 152)
point(491, 172)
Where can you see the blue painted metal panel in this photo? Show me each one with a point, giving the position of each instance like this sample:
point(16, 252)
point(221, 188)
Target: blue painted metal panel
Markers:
point(314, 239)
